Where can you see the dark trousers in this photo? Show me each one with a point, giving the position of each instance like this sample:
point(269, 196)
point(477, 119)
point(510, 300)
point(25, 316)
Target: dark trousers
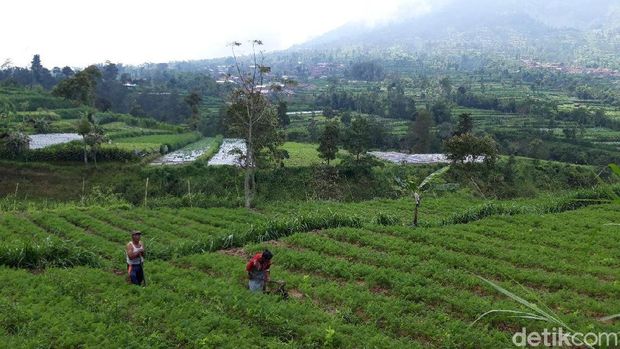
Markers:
point(136, 274)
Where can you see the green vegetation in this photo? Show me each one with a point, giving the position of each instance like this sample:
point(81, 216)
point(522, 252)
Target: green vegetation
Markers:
point(537, 218)
point(352, 282)
point(152, 143)
point(304, 154)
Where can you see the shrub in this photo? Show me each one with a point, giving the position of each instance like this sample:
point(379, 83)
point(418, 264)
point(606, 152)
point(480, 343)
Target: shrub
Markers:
point(72, 113)
point(74, 151)
point(13, 144)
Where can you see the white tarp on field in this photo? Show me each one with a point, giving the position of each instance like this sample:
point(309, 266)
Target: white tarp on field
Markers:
point(187, 154)
point(403, 158)
point(308, 112)
point(39, 141)
point(229, 153)
point(179, 157)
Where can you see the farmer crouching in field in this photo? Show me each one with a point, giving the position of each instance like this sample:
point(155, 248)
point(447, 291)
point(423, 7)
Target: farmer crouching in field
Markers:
point(135, 258)
point(258, 271)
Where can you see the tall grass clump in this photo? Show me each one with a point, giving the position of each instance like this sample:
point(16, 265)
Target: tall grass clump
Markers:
point(46, 253)
point(270, 230)
point(532, 311)
point(386, 219)
point(275, 229)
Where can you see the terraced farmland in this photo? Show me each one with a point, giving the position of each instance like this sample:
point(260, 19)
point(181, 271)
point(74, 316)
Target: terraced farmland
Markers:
point(229, 153)
point(190, 153)
point(353, 283)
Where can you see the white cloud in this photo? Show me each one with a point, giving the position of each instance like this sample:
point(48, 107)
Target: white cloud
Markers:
point(78, 33)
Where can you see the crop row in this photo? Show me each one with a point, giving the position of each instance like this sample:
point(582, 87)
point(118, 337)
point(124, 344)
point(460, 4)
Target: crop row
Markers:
point(84, 307)
point(25, 245)
point(181, 307)
point(167, 233)
point(397, 248)
point(452, 272)
point(522, 252)
point(353, 302)
point(396, 269)
point(567, 202)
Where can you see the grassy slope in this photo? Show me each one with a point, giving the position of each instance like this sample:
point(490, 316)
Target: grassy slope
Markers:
point(382, 286)
point(305, 154)
point(57, 181)
point(152, 143)
point(64, 115)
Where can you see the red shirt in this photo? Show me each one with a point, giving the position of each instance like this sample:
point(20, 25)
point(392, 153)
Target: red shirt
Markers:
point(255, 263)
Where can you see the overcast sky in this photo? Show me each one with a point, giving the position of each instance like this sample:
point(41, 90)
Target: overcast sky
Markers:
point(78, 33)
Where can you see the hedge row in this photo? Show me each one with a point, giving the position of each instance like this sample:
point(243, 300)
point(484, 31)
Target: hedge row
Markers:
point(74, 151)
point(33, 102)
point(136, 133)
point(47, 253)
point(108, 117)
point(72, 113)
point(573, 201)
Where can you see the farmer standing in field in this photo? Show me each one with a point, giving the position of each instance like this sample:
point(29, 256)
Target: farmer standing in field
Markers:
point(258, 271)
point(135, 257)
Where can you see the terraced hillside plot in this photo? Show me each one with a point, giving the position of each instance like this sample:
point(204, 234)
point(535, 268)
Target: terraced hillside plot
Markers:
point(152, 143)
point(402, 158)
point(380, 286)
point(305, 154)
point(229, 153)
point(38, 141)
point(187, 154)
point(422, 284)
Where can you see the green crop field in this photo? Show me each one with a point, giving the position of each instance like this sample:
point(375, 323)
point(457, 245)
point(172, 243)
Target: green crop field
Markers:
point(305, 154)
point(352, 282)
point(151, 143)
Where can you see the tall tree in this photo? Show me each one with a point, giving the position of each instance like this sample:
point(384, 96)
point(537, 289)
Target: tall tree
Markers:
point(109, 71)
point(283, 119)
point(470, 147)
point(411, 108)
point(39, 74)
point(92, 134)
point(419, 137)
point(67, 72)
point(80, 87)
point(465, 124)
point(251, 116)
point(357, 138)
point(328, 141)
point(345, 118)
point(84, 128)
point(193, 100)
point(36, 68)
point(396, 101)
point(94, 139)
point(446, 87)
point(441, 112)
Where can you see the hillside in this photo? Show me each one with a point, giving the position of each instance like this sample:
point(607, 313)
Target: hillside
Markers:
point(351, 282)
point(52, 125)
point(507, 28)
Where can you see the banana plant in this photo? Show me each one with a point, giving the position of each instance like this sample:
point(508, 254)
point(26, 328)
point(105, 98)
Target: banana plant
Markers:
point(414, 185)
